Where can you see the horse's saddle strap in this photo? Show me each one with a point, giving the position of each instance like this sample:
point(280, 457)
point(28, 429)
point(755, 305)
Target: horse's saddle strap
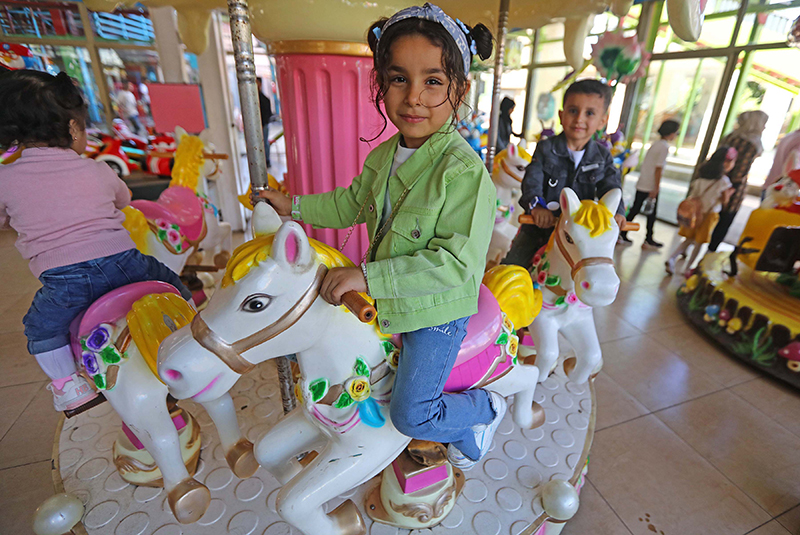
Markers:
point(379, 372)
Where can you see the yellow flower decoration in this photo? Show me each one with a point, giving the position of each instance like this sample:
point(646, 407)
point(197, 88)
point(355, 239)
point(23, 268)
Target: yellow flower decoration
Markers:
point(507, 324)
point(358, 388)
point(692, 282)
point(394, 359)
point(734, 325)
point(513, 346)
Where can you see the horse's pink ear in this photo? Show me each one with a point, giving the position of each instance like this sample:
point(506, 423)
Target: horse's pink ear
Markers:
point(569, 201)
point(291, 246)
point(512, 150)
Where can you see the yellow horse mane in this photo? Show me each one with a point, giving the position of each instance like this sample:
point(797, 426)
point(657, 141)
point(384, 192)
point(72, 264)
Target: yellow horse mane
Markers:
point(512, 286)
point(594, 216)
point(503, 154)
point(148, 322)
point(136, 224)
point(188, 162)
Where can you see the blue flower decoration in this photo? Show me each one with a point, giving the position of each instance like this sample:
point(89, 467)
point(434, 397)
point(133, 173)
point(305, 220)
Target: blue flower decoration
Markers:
point(377, 32)
point(473, 48)
point(462, 26)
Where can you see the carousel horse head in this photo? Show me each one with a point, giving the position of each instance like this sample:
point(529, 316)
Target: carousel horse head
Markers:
point(509, 166)
point(269, 286)
point(585, 237)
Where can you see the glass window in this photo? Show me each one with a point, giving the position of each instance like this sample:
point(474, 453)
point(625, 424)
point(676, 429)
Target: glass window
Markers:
point(717, 29)
point(40, 19)
point(767, 27)
point(131, 70)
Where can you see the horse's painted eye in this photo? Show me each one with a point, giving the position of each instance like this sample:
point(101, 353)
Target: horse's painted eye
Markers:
point(256, 303)
point(520, 168)
point(568, 237)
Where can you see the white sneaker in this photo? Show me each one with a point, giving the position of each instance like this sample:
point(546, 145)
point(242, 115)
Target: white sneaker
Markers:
point(70, 392)
point(484, 434)
point(669, 265)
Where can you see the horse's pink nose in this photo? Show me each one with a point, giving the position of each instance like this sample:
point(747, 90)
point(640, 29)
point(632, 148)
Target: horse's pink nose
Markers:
point(585, 285)
point(173, 375)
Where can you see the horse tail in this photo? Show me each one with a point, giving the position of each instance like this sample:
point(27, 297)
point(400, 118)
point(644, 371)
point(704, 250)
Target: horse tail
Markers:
point(136, 225)
point(512, 286)
point(154, 317)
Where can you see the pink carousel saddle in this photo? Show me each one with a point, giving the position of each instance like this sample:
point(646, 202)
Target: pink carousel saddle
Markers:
point(176, 205)
point(113, 306)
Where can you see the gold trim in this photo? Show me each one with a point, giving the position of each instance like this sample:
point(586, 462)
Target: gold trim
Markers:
point(338, 48)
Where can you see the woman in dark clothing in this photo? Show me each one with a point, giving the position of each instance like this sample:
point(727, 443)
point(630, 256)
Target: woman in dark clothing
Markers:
point(746, 139)
point(504, 128)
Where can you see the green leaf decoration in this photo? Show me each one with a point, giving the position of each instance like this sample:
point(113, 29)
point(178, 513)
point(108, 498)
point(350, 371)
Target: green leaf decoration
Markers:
point(110, 355)
point(502, 339)
point(318, 389)
point(162, 235)
point(388, 347)
point(175, 227)
point(553, 280)
point(560, 301)
point(514, 361)
point(100, 381)
point(361, 367)
point(546, 266)
point(344, 401)
point(83, 344)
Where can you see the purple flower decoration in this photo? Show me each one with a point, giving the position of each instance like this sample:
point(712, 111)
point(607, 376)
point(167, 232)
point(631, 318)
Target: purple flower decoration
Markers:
point(98, 339)
point(572, 298)
point(90, 363)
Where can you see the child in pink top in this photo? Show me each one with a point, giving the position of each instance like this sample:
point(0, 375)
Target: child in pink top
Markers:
point(66, 210)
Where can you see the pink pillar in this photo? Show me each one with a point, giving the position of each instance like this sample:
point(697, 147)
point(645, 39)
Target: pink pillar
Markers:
point(326, 109)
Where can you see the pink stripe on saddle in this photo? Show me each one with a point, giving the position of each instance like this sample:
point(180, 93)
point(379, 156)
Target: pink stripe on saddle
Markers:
point(176, 205)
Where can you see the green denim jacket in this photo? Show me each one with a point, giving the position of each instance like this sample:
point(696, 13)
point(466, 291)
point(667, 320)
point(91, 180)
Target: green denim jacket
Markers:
point(427, 268)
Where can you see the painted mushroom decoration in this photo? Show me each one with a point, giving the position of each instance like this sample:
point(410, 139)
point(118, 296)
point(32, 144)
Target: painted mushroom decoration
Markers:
point(792, 355)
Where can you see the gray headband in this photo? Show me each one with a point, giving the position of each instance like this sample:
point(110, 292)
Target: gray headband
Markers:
point(457, 29)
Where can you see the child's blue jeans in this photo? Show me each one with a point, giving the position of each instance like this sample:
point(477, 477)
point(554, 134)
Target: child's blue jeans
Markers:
point(69, 290)
point(419, 409)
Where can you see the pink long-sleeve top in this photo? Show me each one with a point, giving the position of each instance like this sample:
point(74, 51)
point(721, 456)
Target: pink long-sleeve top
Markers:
point(66, 209)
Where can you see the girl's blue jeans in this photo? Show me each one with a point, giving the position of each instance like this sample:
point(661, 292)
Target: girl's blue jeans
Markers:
point(419, 409)
point(69, 290)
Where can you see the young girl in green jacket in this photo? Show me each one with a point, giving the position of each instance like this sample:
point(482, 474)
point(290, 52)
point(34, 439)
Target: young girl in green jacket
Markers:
point(429, 205)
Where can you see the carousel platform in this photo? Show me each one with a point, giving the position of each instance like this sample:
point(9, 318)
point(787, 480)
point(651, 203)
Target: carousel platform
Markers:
point(755, 315)
point(502, 494)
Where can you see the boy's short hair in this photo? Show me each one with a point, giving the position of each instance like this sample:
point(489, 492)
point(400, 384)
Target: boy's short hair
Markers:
point(589, 87)
point(668, 128)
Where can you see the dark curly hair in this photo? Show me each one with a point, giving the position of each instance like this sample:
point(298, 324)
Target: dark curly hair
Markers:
point(713, 168)
point(38, 107)
point(452, 61)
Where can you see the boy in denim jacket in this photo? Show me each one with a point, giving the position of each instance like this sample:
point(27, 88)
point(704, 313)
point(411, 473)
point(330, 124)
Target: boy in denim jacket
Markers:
point(571, 159)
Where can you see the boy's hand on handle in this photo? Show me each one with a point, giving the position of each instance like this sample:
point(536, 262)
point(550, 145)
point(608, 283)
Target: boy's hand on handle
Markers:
point(543, 218)
point(279, 201)
point(339, 281)
point(620, 219)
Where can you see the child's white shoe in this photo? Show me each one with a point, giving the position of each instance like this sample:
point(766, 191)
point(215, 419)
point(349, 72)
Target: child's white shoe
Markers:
point(669, 265)
point(484, 434)
point(71, 392)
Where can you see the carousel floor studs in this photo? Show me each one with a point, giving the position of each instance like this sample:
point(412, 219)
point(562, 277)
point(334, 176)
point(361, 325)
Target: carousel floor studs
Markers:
point(500, 491)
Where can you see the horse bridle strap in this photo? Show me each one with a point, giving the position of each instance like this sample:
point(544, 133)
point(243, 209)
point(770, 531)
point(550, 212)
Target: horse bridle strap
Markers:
point(583, 262)
point(231, 354)
point(505, 167)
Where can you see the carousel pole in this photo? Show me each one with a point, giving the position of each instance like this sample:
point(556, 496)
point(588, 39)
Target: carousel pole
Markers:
point(242, 37)
point(494, 121)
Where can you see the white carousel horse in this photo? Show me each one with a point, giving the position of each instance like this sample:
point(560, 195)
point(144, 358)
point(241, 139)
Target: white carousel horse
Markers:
point(507, 174)
point(116, 342)
point(575, 272)
point(268, 306)
point(782, 192)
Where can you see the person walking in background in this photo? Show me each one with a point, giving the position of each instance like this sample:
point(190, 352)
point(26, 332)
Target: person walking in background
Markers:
point(713, 189)
point(129, 109)
point(787, 158)
point(746, 139)
point(266, 115)
point(650, 182)
point(504, 126)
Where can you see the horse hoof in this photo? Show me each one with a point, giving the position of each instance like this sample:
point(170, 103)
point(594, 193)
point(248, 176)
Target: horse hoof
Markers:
point(348, 519)
point(569, 365)
point(241, 459)
point(189, 500)
point(538, 415)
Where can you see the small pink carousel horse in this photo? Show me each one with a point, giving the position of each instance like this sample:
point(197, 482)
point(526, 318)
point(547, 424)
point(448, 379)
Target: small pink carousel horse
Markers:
point(268, 306)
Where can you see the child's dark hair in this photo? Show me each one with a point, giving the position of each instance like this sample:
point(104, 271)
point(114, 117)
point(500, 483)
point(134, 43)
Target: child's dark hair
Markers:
point(38, 107)
point(452, 60)
point(589, 87)
point(714, 168)
point(668, 128)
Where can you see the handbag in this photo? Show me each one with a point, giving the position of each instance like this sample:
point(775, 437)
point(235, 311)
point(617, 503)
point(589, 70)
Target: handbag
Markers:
point(690, 210)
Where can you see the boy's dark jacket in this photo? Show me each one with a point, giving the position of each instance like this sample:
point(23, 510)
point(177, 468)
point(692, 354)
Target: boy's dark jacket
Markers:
point(551, 169)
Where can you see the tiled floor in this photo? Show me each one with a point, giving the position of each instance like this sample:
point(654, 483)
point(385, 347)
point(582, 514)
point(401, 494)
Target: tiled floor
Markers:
point(689, 441)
